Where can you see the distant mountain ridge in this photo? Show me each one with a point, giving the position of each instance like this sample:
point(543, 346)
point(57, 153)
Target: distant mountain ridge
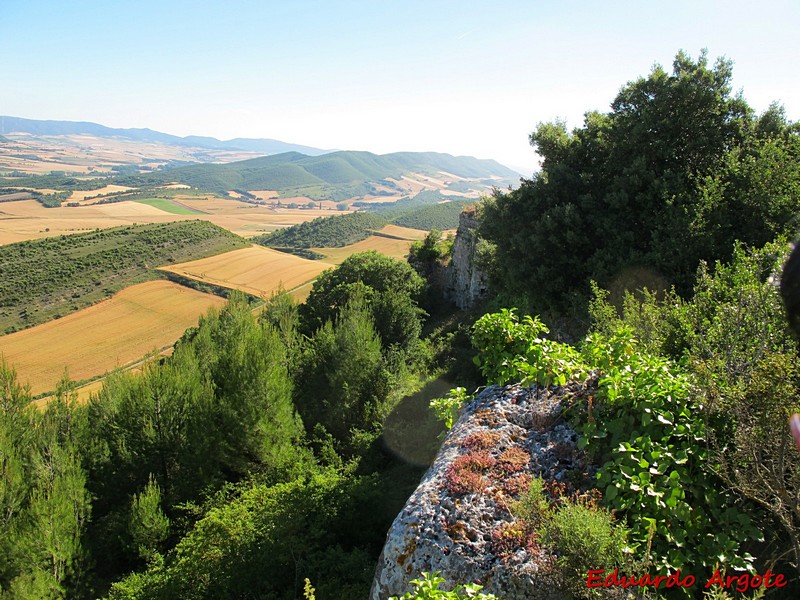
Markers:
point(37, 127)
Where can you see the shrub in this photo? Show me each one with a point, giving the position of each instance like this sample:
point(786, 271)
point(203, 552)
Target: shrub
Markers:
point(514, 350)
point(427, 588)
point(584, 536)
point(447, 408)
point(533, 506)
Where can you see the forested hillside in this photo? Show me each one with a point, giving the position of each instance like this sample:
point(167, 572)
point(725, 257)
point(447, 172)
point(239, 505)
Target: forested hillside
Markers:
point(324, 232)
point(334, 176)
point(342, 230)
point(43, 279)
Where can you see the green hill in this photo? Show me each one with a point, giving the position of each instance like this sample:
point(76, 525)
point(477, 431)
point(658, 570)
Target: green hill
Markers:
point(438, 216)
point(323, 232)
point(44, 279)
point(333, 176)
point(343, 230)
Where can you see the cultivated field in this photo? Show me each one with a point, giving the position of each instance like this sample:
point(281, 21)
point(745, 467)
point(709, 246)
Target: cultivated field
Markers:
point(110, 334)
point(405, 233)
point(389, 246)
point(27, 219)
point(256, 270)
point(82, 195)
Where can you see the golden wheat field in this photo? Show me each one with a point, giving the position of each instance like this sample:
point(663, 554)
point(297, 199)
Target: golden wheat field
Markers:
point(407, 233)
point(27, 219)
point(256, 270)
point(392, 247)
point(82, 195)
point(110, 334)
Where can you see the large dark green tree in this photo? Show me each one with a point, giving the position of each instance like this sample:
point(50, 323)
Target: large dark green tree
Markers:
point(44, 503)
point(389, 289)
point(343, 382)
point(675, 173)
point(217, 411)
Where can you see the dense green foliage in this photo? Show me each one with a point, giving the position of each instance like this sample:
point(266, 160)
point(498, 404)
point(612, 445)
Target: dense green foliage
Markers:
point(324, 232)
point(645, 428)
point(46, 278)
point(440, 216)
point(344, 381)
point(44, 504)
point(638, 196)
point(428, 588)
point(733, 338)
point(389, 288)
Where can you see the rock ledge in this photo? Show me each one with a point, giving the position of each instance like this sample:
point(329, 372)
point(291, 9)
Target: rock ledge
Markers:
point(454, 520)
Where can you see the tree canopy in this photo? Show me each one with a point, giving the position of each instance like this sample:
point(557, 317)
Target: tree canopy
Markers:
point(679, 169)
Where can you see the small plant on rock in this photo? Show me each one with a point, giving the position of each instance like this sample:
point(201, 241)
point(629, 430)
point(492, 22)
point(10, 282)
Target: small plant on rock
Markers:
point(512, 460)
point(510, 537)
point(465, 473)
point(427, 588)
point(481, 440)
point(447, 408)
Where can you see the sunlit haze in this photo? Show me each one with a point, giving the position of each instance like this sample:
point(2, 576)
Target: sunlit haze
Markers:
point(467, 78)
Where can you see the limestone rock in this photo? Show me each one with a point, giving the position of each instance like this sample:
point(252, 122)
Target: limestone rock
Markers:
point(513, 432)
point(466, 283)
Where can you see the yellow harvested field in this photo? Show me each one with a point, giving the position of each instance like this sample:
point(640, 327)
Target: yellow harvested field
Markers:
point(80, 195)
point(404, 232)
point(256, 270)
point(28, 220)
point(393, 247)
point(265, 194)
point(112, 333)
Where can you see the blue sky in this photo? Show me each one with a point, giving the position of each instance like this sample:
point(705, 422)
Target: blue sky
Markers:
point(467, 77)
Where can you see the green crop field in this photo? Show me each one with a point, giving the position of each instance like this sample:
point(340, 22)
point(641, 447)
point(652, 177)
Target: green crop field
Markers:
point(167, 206)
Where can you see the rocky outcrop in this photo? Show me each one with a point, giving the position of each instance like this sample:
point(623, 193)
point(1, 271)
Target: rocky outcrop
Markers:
point(466, 283)
point(458, 519)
